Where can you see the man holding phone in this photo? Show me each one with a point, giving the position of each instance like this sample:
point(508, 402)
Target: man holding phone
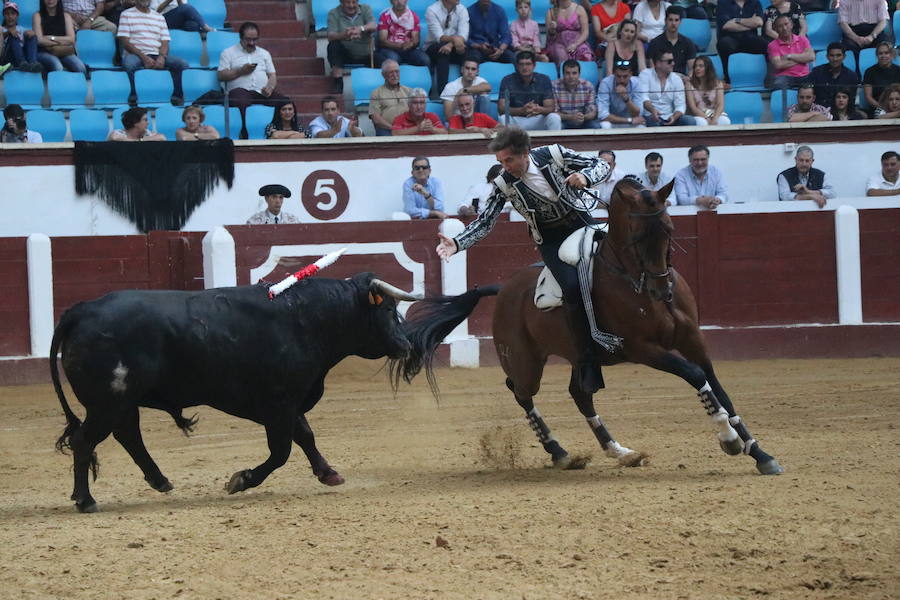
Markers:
point(249, 73)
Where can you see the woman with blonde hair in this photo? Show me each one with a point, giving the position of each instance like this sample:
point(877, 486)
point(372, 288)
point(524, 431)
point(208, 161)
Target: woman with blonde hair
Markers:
point(194, 129)
point(889, 103)
point(626, 47)
point(705, 93)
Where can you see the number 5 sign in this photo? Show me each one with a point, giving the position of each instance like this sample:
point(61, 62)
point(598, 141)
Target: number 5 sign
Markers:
point(325, 195)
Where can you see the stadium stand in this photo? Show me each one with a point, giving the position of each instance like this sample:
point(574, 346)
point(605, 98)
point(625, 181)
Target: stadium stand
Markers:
point(590, 71)
point(213, 12)
point(215, 116)
point(364, 81)
point(168, 119)
point(258, 116)
point(216, 41)
point(747, 71)
point(50, 124)
point(548, 69)
point(438, 109)
point(197, 82)
point(26, 89)
point(822, 29)
point(779, 103)
point(153, 87)
point(698, 31)
point(89, 125)
point(67, 90)
point(96, 49)
point(743, 107)
point(187, 45)
point(494, 74)
point(412, 77)
point(110, 88)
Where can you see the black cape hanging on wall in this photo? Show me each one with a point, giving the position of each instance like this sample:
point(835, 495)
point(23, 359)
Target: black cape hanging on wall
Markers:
point(156, 185)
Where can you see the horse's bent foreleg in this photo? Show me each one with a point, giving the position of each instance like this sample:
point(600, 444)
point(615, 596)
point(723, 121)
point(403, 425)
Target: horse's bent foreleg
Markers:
point(585, 403)
point(551, 445)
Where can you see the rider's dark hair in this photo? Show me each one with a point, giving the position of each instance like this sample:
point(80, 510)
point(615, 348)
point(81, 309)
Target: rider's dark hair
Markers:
point(514, 139)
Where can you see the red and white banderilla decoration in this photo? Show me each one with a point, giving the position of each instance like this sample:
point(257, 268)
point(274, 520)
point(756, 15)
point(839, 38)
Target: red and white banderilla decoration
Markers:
point(306, 271)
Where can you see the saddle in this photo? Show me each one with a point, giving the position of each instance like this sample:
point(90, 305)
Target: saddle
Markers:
point(580, 244)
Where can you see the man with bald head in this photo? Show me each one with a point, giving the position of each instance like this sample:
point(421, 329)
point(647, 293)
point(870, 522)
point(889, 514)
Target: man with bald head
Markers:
point(388, 101)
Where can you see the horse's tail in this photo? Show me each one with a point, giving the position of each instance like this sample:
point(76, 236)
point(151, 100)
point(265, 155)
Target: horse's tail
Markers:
point(427, 328)
point(59, 337)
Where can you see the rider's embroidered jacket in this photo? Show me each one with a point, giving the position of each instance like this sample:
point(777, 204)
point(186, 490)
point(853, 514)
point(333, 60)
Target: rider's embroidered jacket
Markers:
point(555, 163)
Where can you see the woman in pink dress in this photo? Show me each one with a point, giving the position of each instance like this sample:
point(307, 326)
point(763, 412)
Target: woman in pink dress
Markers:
point(567, 32)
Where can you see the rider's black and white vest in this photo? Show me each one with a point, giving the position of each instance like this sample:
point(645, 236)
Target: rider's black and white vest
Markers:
point(555, 163)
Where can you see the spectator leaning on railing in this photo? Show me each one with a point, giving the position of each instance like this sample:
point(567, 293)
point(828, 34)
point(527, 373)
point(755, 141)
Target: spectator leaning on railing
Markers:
point(416, 121)
point(194, 128)
point(332, 124)
point(806, 110)
point(887, 181)
point(803, 182)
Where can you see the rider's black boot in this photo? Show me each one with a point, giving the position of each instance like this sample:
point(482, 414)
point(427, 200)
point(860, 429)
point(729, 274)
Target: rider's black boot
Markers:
point(587, 365)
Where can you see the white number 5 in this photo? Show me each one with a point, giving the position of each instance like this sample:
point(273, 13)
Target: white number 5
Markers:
point(324, 186)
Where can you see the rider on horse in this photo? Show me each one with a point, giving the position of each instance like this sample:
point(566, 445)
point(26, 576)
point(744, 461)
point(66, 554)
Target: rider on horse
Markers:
point(545, 186)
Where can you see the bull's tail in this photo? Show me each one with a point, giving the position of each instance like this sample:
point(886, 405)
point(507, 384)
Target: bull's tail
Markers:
point(433, 320)
point(72, 421)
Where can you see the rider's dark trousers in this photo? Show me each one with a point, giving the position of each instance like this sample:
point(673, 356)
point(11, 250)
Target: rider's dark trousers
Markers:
point(565, 274)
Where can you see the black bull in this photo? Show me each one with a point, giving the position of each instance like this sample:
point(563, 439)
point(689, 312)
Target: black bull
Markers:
point(233, 349)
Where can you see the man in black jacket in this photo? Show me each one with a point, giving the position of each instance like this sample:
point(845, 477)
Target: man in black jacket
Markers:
point(803, 182)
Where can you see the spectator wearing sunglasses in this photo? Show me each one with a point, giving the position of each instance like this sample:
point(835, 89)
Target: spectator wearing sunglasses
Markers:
point(662, 94)
point(423, 195)
point(619, 98)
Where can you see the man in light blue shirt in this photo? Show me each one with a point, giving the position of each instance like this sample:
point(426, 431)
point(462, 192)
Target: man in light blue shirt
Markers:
point(618, 98)
point(423, 195)
point(700, 183)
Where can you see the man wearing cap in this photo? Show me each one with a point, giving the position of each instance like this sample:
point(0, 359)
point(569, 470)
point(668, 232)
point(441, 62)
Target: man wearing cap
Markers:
point(274, 194)
point(18, 44)
point(86, 14)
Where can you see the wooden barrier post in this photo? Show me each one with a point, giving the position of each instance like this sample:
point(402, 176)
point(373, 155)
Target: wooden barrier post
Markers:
point(849, 272)
point(40, 293)
point(219, 259)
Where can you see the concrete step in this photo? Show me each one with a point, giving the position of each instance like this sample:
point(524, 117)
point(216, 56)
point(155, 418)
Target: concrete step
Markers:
point(287, 67)
point(282, 29)
point(288, 48)
point(305, 86)
point(238, 12)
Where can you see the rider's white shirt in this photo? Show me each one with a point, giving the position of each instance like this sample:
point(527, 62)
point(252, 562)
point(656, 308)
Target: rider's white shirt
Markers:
point(536, 181)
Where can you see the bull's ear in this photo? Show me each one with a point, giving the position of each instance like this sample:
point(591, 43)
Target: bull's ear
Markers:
point(665, 191)
point(375, 299)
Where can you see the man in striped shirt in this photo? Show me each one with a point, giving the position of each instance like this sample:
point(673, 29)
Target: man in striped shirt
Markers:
point(864, 23)
point(144, 37)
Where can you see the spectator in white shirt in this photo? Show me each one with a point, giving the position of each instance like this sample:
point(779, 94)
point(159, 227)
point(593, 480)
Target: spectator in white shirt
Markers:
point(886, 183)
point(470, 83)
point(332, 124)
point(448, 31)
point(654, 178)
point(662, 93)
point(249, 73)
point(605, 188)
point(700, 183)
point(144, 37)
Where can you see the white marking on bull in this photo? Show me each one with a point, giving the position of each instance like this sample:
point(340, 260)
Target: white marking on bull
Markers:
point(118, 383)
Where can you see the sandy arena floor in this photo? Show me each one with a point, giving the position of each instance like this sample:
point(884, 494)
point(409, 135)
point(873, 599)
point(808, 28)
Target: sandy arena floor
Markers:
point(424, 515)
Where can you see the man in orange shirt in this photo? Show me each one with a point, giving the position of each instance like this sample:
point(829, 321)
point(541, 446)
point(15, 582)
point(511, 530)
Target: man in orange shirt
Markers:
point(416, 121)
point(469, 121)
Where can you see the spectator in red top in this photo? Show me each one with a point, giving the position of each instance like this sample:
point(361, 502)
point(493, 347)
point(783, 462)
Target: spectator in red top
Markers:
point(604, 16)
point(469, 121)
point(416, 121)
point(789, 54)
point(398, 36)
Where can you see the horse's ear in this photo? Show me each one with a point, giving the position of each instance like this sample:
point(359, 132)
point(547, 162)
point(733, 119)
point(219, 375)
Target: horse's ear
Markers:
point(665, 191)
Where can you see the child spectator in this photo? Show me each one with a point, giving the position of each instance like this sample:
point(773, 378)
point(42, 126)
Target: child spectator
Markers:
point(526, 34)
point(19, 44)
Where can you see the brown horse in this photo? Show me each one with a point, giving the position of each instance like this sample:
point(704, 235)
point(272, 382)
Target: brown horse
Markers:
point(636, 295)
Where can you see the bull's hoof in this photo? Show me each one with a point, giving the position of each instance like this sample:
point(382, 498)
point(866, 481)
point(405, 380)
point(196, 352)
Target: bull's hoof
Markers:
point(164, 486)
point(732, 448)
point(770, 467)
point(87, 507)
point(239, 481)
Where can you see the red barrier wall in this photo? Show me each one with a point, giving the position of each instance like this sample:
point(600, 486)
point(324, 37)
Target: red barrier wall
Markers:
point(15, 338)
point(879, 240)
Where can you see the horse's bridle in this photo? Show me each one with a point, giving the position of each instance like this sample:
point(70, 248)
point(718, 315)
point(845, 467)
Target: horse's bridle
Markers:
point(638, 285)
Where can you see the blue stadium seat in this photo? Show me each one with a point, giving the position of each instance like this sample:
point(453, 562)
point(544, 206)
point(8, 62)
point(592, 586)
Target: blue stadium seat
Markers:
point(213, 12)
point(117, 117)
point(186, 45)
point(492, 111)
point(779, 104)
point(494, 73)
point(590, 71)
point(89, 125)
point(26, 9)
point(215, 116)
point(363, 82)
point(897, 32)
point(717, 63)
point(168, 119)
point(216, 41)
point(867, 58)
point(438, 109)
point(698, 31)
point(548, 69)
point(49, 123)
point(747, 71)
point(413, 77)
point(257, 117)
point(67, 90)
point(197, 82)
point(423, 32)
point(822, 29)
point(96, 48)
point(539, 10)
point(154, 87)
point(379, 6)
point(743, 107)
point(111, 88)
point(24, 88)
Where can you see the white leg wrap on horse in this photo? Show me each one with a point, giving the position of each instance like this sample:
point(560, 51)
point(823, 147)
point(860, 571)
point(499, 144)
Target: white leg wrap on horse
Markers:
point(726, 431)
point(595, 422)
point(615, 450)
point(540, 429)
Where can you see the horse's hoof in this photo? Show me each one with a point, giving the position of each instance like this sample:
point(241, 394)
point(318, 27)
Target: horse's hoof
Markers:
point(331, 479)
point(770, 467)
point(238, 482)
point(633, 459)
point(732, 448)
point(87, 507)
point(164, 486)
point(562, 461)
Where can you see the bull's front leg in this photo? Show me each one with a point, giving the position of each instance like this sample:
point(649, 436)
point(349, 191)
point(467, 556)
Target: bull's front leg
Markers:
point(278, 433)
point(304, 437)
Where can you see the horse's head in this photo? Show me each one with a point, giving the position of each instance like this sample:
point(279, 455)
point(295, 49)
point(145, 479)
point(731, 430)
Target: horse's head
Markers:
point(639, 221)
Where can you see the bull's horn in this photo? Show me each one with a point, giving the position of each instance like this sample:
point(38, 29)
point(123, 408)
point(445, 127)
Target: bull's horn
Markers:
point(390, 290)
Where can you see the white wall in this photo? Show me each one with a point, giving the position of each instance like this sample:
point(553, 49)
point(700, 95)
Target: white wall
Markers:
point(42, 199)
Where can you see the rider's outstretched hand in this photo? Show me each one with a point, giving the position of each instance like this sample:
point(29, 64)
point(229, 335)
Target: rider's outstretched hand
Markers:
point(446, 248)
